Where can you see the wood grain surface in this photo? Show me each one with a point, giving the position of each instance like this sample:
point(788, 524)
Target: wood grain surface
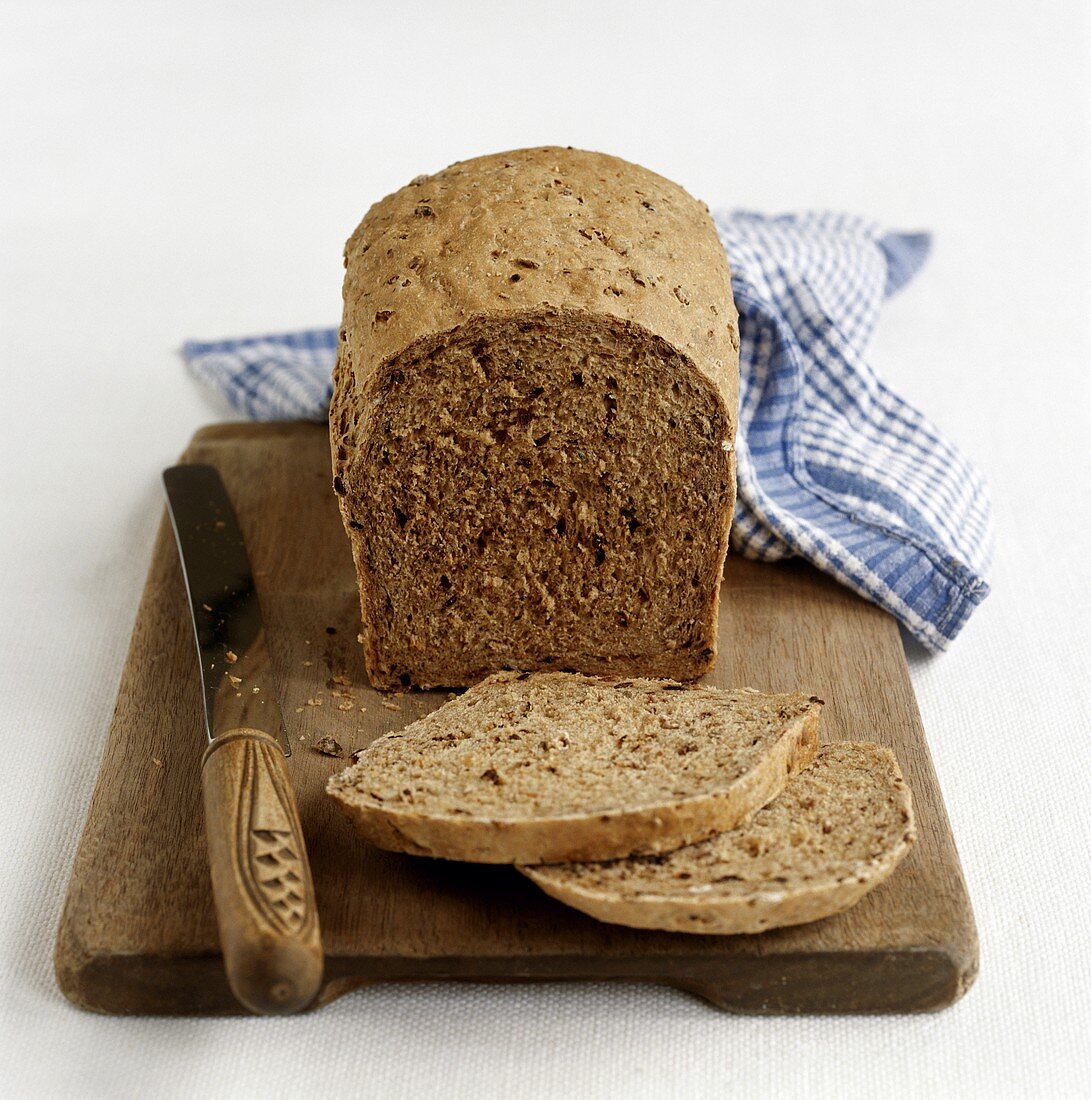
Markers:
point(138, 933)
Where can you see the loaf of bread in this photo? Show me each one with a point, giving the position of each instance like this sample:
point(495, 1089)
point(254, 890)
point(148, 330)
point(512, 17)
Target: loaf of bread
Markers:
point(530, 768)
point(837, 830)
point(532, 423)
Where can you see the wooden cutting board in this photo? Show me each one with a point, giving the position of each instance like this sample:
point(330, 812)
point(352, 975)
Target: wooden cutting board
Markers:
point(138, 934)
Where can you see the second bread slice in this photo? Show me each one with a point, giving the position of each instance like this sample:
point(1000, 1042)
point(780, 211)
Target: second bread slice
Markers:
point(833, 834)
point(550, 767)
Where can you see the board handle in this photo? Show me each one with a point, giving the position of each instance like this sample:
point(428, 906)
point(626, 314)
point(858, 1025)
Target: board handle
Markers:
point(261, 879)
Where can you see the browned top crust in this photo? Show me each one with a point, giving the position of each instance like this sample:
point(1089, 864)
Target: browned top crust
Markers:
point(609, 237)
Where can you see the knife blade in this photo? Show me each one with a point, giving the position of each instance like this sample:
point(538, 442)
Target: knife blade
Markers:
point(237, 682)
point(261, 879)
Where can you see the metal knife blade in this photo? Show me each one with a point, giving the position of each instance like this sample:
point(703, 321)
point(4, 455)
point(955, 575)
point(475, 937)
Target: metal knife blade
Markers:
point(239, 689)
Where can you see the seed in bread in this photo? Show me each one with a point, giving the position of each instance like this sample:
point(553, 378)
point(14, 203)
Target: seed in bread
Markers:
point(538, 767)
point(836, 831)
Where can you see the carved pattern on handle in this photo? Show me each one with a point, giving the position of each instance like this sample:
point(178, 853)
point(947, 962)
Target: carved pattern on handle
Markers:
point(268, 852)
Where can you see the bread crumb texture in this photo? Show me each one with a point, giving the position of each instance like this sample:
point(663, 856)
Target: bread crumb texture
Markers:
point(530, 767)
point(836, 831)
point(533, 420)
point(328, 746)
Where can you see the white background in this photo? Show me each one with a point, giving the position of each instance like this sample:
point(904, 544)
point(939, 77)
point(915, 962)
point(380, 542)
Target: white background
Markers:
point(181, 169)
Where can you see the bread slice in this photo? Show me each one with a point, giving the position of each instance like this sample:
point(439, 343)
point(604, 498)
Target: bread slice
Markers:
point(533, 421)
point(837, 830)
point(539, 767)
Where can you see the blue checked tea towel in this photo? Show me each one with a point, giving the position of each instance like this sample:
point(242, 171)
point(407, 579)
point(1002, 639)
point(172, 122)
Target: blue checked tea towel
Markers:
point(832, 466)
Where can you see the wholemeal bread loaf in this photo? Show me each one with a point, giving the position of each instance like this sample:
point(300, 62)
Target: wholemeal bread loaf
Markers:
point(529, 768)
point(836, 831)
point(532, 422)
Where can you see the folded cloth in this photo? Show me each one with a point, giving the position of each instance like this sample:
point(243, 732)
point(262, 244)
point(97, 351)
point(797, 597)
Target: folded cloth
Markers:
point(832, 466)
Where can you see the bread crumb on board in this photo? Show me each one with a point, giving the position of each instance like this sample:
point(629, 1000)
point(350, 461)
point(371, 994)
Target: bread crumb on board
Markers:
point(231, 656)
point(328, 746)
point(390, 704)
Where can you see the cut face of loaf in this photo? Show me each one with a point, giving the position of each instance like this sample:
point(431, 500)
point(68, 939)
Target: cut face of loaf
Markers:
point(836, 831)
point(533, 420)
point(529, 768)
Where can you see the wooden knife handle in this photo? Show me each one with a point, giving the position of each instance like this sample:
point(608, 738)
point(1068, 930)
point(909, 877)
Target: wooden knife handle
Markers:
point(261, 880)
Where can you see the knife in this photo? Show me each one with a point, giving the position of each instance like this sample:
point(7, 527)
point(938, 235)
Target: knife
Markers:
point(261, 879)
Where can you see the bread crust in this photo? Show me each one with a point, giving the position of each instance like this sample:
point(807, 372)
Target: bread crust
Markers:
point(569, 224)
point(564, 239)
point(724, 917)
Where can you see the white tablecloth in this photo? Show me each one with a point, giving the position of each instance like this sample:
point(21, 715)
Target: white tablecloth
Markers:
point(191, 169)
